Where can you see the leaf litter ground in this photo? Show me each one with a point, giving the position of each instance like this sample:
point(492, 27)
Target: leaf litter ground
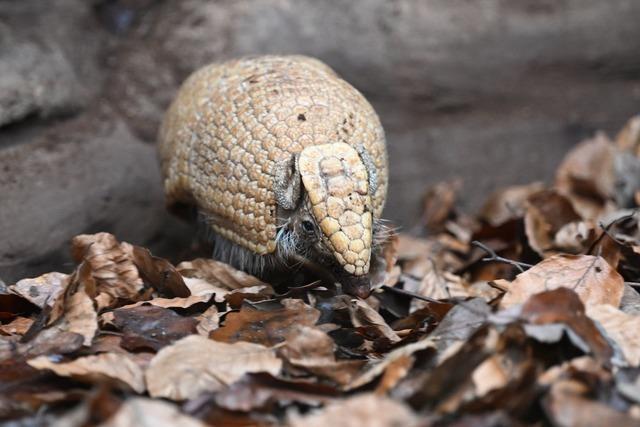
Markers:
point(525, 314)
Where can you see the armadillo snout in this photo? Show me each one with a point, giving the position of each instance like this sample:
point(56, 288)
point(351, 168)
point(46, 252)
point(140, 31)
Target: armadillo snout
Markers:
point(336, 182)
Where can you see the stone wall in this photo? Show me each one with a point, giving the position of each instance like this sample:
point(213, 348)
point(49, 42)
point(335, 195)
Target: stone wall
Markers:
point(492, 91)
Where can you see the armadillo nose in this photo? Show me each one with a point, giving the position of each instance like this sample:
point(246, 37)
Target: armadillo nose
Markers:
point(358, 286)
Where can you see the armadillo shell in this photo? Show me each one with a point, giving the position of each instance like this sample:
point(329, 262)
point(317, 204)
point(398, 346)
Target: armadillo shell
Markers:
point(231, 122)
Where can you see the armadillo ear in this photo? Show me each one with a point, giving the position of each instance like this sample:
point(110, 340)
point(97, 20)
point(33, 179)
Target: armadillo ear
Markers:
point(370, 167)
point(287, 183)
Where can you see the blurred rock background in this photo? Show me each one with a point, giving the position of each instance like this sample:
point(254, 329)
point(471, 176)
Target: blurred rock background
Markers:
point(492, 91)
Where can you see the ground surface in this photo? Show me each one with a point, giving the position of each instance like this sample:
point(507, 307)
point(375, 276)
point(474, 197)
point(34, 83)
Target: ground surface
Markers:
point(491, 91)
point(527, 314)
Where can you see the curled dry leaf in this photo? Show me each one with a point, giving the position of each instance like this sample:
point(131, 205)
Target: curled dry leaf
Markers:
point(208, 321)
point(196, 364)
point(379, 367)
point(106, 367)
point(150, 327)
point(362, 315)
point(313, 350)
point(176, 302)
point(159, 273)
point(140, 411)
point(546, 213)
point(80, 316)
point(438, 204)
point(41, 290)
point(259, 390)
point(586, 175)
point(274, 324)
point(435, 283)
point(622, 328)
point(218, 274)
point(202, 288)
point(591, 277)
point(111, 266)
point(628, 138)
point(566, 405)
point(548, 313)
point(18, 326)
point(361, 410)
point(508, 204)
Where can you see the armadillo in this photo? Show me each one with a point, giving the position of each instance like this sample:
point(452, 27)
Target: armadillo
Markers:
point(283, 159)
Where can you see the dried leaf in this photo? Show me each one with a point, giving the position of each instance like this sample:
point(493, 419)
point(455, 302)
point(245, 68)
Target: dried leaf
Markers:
point(546, 213)
point(566, 407)
point(159, 272)
point(140, 411)
point(508, 204)
point(106, 367)
point(274, 324)
point(80, 317)
point(548, 311)
point(151, 327)
point(18, 326)
point(208, 321)
point(438, 204)
point(112, 268)
point(41, 290)
point(313, 350)
point(218, 274)
point(259, 390)
point(176, 302)
point(591, 277)
point(368, 410)
point(587, 175)
point(629, 137)
point(622, 328)
point(362, 315)
point(435, 283)
point(379, 367)
point(196, 364)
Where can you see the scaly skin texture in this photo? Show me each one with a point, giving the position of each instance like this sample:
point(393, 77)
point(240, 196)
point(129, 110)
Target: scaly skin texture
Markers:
point(232, 124)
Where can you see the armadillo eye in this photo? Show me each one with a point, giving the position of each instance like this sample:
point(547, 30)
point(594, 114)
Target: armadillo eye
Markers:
point(307, 227)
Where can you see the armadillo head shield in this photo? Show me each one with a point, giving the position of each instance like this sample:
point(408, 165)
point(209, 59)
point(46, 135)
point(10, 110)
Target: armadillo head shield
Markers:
point(336, 180)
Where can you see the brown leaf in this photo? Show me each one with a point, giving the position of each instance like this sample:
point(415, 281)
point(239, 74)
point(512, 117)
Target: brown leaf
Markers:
point(237, 297)
point(591, 277)
point(587, 175)
point(435, 283)
point(151, 327)
point(362, 315)
point(18, 326)
point(208, 321)
point(313, 350)
point(622, 328)
point(196, 364)
point(273, 327)
point(508, 203)
point(218, 274)
point(176, 302)
point(159, 272)
point(106, 367)
point(563, 306)
point(140, 411)
point(41, 290)
point(392, 358)
point(259, 390)
point(80, 317)
point(546, 213)
point(629, 137)
point(111, 266)
point(438, 204)
point(566, 407)
point(368, 410)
